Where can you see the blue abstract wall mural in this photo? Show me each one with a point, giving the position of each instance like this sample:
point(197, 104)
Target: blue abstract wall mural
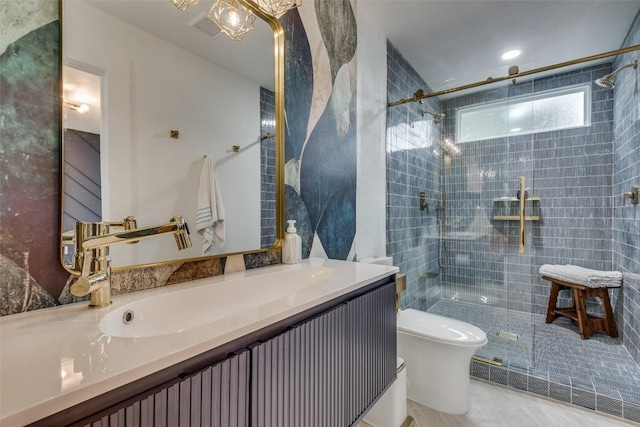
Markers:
point(321, 127)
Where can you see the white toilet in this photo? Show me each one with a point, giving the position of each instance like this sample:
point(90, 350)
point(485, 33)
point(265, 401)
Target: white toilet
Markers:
point(437, 351)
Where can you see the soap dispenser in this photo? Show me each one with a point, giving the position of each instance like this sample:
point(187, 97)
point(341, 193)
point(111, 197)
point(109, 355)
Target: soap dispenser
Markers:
point(292, 248)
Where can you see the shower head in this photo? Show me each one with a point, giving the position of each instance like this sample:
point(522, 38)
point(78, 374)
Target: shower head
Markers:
point(607, 81)
point(437, 117)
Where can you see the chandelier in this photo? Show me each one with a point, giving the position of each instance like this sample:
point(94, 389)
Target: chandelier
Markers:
point(278, 8)
point(234, 19)
point(183, 4)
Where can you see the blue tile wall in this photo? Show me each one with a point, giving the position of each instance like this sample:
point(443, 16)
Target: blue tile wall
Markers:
point(267, 169)
point(413, 166)
point(626, 173)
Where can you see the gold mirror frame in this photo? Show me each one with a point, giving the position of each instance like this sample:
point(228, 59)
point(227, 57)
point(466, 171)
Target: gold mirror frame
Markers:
point(278, 39)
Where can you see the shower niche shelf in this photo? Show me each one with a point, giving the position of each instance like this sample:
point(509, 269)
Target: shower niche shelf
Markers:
point(516, 217)
point(509, 211)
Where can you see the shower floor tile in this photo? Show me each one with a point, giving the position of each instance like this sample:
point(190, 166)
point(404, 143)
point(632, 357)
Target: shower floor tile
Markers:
point(600, 364)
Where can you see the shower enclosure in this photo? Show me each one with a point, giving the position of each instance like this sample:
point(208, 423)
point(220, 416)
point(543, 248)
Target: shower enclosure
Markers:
point(516, 175)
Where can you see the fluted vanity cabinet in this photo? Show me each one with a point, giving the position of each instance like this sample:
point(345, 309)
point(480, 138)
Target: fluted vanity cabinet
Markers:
point(216, 396)
point(328, 370)
point(321, 367)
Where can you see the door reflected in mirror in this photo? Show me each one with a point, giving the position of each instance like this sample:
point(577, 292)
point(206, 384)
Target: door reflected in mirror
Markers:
point(149, 92)
point(82, 120)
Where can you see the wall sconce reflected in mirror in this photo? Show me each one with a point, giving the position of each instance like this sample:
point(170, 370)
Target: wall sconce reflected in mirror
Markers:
point(80, 108)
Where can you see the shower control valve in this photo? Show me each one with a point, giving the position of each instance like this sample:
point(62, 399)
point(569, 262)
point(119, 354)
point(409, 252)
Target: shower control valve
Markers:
point(633, 195)
point(423, 202)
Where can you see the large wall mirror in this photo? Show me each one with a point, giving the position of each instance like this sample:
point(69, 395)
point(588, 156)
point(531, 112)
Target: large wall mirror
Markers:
point(149, 91)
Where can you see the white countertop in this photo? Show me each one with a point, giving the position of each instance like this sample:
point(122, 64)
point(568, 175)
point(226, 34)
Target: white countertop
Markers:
point(54, 358)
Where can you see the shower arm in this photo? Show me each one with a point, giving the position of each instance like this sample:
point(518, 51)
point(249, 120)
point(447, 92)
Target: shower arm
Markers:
point(633, 64)
point(420, 94)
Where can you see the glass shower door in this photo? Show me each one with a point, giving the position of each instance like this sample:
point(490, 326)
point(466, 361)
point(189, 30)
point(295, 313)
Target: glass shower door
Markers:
point(488, 179)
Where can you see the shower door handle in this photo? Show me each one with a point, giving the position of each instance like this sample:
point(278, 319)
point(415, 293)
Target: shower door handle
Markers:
point(521, 197)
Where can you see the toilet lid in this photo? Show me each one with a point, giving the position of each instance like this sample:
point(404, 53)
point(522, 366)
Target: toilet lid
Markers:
point(439, 328)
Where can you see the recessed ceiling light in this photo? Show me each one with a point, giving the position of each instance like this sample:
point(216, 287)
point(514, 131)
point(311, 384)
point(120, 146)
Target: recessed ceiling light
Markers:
point(511, 54)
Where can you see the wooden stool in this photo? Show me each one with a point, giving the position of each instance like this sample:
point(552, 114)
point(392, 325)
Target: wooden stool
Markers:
point(577, 311)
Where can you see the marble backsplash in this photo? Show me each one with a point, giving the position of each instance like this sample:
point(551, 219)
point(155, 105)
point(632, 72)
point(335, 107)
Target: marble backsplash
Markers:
point(149, 277)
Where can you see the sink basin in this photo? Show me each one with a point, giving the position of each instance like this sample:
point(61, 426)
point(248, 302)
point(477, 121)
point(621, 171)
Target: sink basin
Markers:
point(174, 312)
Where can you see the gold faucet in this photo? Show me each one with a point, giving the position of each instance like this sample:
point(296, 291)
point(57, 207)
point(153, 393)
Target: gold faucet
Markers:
point(91, 259)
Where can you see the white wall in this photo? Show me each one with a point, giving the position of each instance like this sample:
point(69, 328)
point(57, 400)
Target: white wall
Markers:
point(372, 109)
point(151, 87)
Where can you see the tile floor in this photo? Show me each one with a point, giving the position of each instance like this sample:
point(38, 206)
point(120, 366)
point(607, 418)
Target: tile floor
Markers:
point(496, 406)
point(551, 360)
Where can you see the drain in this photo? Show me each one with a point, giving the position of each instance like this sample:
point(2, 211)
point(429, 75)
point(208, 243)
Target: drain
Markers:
point(127, 317)
point(508, 335)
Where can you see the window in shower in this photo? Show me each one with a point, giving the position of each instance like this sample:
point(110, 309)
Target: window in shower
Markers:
point(544, 111)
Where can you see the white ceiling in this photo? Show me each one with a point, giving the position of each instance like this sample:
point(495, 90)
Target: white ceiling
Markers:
point(251, 57)
point(451, 42)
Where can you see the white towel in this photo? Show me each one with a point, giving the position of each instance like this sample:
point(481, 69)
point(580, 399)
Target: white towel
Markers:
point(210, 215)
point(583, 276)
